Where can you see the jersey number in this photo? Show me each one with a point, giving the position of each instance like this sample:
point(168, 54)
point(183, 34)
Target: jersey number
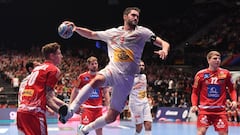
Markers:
point(214, 80)
point(32, 78)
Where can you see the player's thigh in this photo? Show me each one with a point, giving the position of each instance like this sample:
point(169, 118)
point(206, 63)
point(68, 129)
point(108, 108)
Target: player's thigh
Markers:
point(147, 116)
point(220, 123)
point(31, 124)
point(203, 121)
point(137, 113)
point(120, 92)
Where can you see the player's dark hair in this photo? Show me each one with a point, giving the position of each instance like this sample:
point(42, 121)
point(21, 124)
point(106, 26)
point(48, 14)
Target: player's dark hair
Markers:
point(28, 65)
point(128, 10)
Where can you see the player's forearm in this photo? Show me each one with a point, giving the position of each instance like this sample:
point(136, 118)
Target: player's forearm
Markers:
point(86, 33)
point(73, 94)
point(51, 104)
point(163, 44)
point(54, 103)
point(233, 95)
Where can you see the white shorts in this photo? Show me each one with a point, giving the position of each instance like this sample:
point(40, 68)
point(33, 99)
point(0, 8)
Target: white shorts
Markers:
point(140, 113)
point(121, 86)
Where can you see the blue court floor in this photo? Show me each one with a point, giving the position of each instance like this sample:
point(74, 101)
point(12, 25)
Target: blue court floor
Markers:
point(124, 128)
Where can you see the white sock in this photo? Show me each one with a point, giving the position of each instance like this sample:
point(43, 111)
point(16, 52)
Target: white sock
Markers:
point(82, 96)
point(98, 123)
point(148, 132)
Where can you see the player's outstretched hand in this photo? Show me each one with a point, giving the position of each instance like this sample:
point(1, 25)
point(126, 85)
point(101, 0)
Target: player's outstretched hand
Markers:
point(70, 23)
point(162, 54)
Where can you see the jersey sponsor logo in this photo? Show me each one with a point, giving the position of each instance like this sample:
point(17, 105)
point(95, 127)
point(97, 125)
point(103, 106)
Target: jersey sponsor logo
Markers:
point(28, 92)
point(213, 91)
point(95, 94)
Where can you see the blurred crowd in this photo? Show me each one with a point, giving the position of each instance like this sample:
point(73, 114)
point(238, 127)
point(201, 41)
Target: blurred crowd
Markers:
point(167, 86)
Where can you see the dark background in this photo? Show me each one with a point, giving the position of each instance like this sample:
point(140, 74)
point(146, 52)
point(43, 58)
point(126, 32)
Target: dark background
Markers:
point(35, 22)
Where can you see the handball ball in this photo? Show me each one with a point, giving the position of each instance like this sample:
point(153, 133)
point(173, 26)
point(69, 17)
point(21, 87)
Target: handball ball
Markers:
point(65, 31)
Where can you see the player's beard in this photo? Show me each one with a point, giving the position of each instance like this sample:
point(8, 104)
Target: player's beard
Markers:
point(133, 23)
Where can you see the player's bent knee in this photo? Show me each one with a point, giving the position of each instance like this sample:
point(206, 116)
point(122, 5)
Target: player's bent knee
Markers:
point(110, 119)
point(111, 116)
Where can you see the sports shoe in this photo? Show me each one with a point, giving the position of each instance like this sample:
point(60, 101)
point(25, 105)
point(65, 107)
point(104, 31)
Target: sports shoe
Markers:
point(64, 114)
point(80, 131)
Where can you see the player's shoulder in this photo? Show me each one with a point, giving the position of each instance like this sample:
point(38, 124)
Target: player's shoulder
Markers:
point(144, 75)
point(84, 74)
point(143, 28)
point(202, 71)
point(224, 70)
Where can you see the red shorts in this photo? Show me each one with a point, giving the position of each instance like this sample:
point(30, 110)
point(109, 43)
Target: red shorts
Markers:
point(31, 124)
point(220, 121)
point(88, 115)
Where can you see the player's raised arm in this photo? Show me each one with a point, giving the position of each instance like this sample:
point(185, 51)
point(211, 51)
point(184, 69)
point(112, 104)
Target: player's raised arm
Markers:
point(164, 45)
point(84, 32)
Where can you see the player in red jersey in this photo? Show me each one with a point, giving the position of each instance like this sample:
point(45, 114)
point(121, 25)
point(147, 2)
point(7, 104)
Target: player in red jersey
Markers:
point(39, 93)
point(91, 109)
point(209, 95)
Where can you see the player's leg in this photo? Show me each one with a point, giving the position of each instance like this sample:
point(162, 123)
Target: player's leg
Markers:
point(148, 127)
point(101, 121)
point(88, 115)
point(120, 92)
point(147, 116)
point(221, 124)
point(202, 124)
point(137, 116)
point(82, 96)
point(29, 124)
point(99, 131)
point(138, 129)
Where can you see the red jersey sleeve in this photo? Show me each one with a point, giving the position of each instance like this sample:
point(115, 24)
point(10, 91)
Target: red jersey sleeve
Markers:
point(231, 89)
point(195, 90)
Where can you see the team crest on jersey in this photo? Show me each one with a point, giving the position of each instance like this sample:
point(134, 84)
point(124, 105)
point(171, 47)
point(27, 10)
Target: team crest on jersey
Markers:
point(206, 75)
point(123, 55)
